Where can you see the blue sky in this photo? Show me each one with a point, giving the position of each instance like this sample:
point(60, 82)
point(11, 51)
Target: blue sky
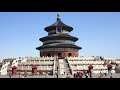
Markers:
point(98, 32)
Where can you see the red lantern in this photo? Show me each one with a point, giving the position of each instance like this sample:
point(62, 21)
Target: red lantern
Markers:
point(90, 67)
point(14, 70)
point(109, 66)
point(34, 69)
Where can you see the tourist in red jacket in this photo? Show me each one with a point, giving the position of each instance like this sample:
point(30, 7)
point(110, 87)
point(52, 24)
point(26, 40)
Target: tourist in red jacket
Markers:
point(80, 75)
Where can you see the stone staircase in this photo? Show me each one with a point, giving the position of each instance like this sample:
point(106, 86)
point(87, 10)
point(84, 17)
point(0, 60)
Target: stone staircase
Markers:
point(57, 66)
point(61, 66)
point(9, 67)
point(67, 68)
point(4, 67)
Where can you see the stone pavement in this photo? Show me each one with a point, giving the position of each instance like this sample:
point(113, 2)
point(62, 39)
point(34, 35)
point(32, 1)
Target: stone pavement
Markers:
point(114, 75)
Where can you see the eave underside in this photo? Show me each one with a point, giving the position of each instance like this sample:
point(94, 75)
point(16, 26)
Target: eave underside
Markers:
point(59, 46)
point(58, 37)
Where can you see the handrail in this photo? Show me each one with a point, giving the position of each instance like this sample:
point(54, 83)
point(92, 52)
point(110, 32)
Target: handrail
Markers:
point(4, 68)
point(69, 66)
point(54, 67)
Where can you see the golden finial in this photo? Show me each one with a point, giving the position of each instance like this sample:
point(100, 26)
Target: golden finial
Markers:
point(58, 15)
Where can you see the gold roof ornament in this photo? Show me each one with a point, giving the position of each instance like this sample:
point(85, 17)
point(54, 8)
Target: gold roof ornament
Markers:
point(58, 15)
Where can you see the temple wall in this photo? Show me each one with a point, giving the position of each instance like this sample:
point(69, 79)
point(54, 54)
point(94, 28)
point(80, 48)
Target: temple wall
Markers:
point(63, 53)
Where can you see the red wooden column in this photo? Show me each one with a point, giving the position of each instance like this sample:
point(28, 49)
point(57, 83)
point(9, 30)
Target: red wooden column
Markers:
point(14, 70)
point(34, 70)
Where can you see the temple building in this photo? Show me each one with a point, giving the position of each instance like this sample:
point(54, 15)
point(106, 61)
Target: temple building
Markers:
point(59, 42)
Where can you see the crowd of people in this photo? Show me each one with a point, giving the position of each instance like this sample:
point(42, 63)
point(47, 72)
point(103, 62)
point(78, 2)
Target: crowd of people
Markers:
point(80, 74)
point(20, 75)
point(105, 75)
point(88, 74)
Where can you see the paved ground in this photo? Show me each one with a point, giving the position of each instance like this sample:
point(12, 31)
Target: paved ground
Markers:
point(117, 75)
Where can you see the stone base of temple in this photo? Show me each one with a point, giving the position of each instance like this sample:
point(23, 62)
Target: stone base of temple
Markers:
point(53, 65)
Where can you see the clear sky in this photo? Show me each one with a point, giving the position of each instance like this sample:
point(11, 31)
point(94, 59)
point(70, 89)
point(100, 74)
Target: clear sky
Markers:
point(98, 32)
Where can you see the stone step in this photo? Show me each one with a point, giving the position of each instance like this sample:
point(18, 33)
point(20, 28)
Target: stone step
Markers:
point(67, 68)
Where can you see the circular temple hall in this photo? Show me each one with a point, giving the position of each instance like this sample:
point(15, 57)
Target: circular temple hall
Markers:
point(59, 42)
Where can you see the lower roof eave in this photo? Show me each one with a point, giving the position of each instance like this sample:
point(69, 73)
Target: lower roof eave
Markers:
point(38, 48)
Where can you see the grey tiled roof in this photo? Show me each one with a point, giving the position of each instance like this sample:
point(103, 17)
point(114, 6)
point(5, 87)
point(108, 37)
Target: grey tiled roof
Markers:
point(59, 23)
point(58, 37)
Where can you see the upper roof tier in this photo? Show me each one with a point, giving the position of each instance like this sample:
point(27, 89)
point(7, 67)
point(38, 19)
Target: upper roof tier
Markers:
point(58, 23)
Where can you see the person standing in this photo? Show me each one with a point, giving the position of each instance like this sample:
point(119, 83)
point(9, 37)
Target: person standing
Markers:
point(109, 72)
point(67, 76)
point(80, 75)
point(57, 75)
point(105, 74)
point(64, 73)
point(86, 76)
point(87, 72)
point(10, 75)
point(84, 71)
point(77, 74)
point(111, 76)
point(25, 74)
point(74, 75)
point(22, 76)
point(19, 74)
